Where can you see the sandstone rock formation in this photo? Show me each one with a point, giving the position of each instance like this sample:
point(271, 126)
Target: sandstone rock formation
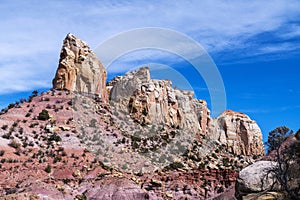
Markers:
point(238, 133)
point(89, 149)
point(79, 69)
point(256, 178)
point(156, 101)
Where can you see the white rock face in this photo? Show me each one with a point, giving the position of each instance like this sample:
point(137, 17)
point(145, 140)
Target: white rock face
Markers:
point(256, 178)
point(238, 133)
point(156, 101)
point(79, 69)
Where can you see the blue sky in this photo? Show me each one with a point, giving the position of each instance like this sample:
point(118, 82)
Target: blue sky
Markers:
point(255, 45)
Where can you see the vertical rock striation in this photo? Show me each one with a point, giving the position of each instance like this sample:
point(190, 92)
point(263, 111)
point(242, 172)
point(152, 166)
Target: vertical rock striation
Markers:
point(238, 133)
point(79, 69)
point(156, 101)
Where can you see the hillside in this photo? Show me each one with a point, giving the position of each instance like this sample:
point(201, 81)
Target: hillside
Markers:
point(131, 138)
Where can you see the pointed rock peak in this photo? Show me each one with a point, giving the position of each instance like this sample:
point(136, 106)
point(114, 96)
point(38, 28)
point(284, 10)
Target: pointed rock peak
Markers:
point(126, 85)
point(71, 39)
point(231, 112)
point(79, 69)
point(142, 74)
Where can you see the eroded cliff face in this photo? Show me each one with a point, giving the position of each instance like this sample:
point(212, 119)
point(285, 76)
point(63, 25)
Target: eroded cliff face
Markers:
point(156, 102)
point(240, 134)
point(79, 69)
point(150, 101)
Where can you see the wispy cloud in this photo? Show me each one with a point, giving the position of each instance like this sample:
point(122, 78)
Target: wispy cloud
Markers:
point(34, 31)
point(270, 110)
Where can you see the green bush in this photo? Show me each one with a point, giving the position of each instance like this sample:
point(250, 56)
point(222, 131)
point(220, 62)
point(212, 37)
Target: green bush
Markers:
point(54, 137)
point(48, 169)
point(4, 127)
point(44, 115)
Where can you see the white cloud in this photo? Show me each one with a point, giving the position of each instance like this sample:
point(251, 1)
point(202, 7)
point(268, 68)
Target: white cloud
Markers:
point(31, 30)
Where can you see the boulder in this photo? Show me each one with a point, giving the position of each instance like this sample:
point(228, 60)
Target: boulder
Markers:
point(79, 69)
point(256, 178)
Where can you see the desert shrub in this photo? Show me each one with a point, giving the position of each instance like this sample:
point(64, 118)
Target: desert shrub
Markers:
point(21, 130)
point(93, 123)
point(54, 137)
point(63, 153)
point(144, 112)
point(12, 105)
point(32, 125)
point(23, 100)
point(225, 161)
point(70, 103)
point(44, 115)
point(4, 127)
point(174, 166)
point(214, 155)
point(34, 93)
point(48, 169)
point(15, 124)
point(6, 136)
point(57, 159)
point(25, 144)
point(14, 144)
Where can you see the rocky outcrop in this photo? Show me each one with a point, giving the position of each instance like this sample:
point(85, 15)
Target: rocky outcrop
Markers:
point(90, 150)
point(256, 178)
point(151, 101)
point(79, 69)
point(156, 101)
point(238, 133)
